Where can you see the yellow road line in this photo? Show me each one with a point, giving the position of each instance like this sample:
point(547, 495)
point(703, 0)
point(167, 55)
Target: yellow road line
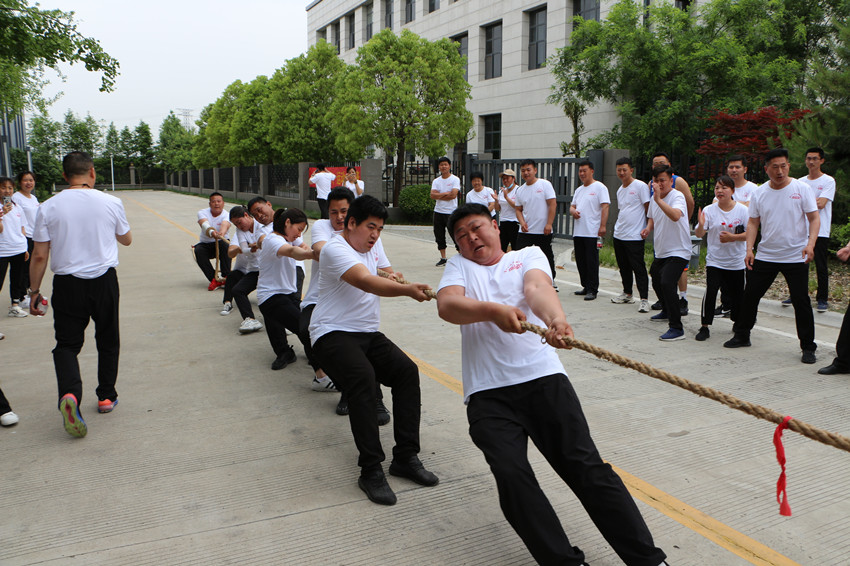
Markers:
point(155, 213)
point(736, 542)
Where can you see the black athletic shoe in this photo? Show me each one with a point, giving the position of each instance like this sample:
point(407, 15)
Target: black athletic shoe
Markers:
point(284, 359)
point(413, 470)
point(703, 334)
point(383, 413)
point(441, 262)
point(657, 306)
point(808, 357)
point(377, 489)
point(683, 307)
point(342, 406)
point(737, 342)
point(581, 291)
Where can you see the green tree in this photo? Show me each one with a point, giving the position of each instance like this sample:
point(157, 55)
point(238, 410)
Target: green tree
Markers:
point(665, 77)
point(32, 40)
point(300, 93)
point(44, 137)
point(81, 135)
point(406, 94)
point(248, 127)
point(174, 150)
point(143, 150)
point(111, 141)
point(218, 123)
point(202, 155)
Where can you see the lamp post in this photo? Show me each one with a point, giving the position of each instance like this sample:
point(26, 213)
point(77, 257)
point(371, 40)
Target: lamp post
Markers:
point(112, 169)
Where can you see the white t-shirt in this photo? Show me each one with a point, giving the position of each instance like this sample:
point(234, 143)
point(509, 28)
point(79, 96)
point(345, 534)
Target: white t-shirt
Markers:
point(323, 181)
point(321, 231)
point(247, 261)
point(728, 255)
point(672, 239)
point(484, 196)
point(30, 208)
point(535, 209)
point(12, 239)
point(277, 273)
point(823, 187)
point(445, 186)
point(340, 306)
point(491, 357)
point(215, 222)
point(353, 187)
point(744, 193)
point(782, 214)
point(81, 225)
point(507, 212)
point(631, 216)
point(588, 200)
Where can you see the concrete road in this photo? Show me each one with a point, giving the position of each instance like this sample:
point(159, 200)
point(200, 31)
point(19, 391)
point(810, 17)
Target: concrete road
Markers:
point(213, 458)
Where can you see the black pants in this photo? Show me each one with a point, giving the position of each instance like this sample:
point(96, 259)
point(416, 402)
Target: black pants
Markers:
point(508, 230)
point(440, 223)
point(15, 264)
point(842, 345)
point(238, 286)
point(205, 253)
point(665, 273)
point(75, 301)
point(542, 241)
point(821, 268)
point(548, 411)
point(759, 280)
point(587, 262)
point(25, 276)
point(632, 265)
point(323, 208)
point(358, 361)
point(5, 407)
point(731, 283)
point(282, 313)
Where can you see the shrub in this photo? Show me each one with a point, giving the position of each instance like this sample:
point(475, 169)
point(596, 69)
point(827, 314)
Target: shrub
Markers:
point(415, 201)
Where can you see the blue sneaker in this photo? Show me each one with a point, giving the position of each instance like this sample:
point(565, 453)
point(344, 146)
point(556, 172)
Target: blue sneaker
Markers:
point(672, 334)
point(823, 306)
point(660, 316)
point(74, 423)
point(787, 303)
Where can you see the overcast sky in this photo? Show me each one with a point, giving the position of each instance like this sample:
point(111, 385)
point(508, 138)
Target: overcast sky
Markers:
point(175, 54)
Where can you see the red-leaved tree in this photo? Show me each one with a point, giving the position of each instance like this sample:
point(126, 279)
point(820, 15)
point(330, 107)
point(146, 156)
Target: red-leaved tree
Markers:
point(751, 134)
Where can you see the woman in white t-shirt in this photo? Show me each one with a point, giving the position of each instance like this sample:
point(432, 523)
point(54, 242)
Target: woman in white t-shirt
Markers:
point(725, 222)
point(277, 285)
point(352, 183)
point(28, 202)
point(506, 205)
point(481, 194)
point(13, 246)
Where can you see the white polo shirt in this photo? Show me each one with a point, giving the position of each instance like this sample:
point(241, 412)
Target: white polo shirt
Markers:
point(588, 200)
point(782, 218)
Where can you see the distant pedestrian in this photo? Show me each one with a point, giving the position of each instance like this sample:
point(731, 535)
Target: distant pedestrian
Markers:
point(444, 190)
point(481, 194)
point(13, 246)
point(352, 183)
point(823, 186)
point(78, 231)
point(506, 205)
point(589, 210)
point(28, 202)
point(323, 179)
point(535, 211)
point(629, 247)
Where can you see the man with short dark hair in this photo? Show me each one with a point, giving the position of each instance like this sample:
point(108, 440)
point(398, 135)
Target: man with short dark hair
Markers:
point(589, 208)
point(823, 186)
point(444, 190)
point(736, 167)
point(629, 247)
point(523, 392)
point(345, 338)
point(780, 208)
point(535, 211)
point(85, 284)
point(214, 227)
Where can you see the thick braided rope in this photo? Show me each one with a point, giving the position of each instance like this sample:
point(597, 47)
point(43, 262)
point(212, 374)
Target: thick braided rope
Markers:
point(800, 427)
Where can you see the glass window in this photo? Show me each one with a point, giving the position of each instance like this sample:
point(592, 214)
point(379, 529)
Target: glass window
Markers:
point(369, 14)
point(388, 14)
point(536, 38)
point(409, 11)
point(349, 23)
point(433, 5)
point(463, 49)
point(336, 33)
point(493, 51)
point(587, 9)
point(493, 135)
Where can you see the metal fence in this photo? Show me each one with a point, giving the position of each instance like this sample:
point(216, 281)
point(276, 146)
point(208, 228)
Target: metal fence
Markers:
point(415, 173)
point(225, 179)
point(249, 179)
point(283, 180)
point(208, 179)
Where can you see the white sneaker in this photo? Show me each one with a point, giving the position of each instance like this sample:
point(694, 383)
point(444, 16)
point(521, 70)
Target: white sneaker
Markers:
point(17, 311)
point(25, 304)
point(325, 386)
point(644, 305)
point(8, 419)
point(2, 335)
point(226, 309)
point(249, 325)
point(623, 299)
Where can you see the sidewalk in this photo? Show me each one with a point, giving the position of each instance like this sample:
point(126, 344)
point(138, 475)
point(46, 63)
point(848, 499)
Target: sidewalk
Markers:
point(212, 458)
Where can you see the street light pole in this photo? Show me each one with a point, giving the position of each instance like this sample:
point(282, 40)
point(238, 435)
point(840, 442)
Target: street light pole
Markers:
point(112, 168)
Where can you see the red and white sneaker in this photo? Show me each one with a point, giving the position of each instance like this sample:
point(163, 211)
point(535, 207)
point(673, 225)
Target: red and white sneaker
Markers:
point(106, 406)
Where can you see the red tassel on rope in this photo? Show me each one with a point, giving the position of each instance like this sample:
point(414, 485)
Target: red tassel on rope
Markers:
point(781, 494)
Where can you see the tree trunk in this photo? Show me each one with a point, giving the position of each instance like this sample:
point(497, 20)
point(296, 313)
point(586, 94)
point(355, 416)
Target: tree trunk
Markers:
point(398, 174)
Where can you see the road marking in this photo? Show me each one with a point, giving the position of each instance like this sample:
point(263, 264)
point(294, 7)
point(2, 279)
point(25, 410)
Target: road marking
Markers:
point(724, 536)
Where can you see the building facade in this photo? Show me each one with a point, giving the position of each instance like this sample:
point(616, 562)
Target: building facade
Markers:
point(506, 43)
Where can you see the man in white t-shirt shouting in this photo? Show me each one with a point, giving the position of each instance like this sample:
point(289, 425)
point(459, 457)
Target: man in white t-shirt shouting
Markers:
point(523, 392)
point(214, 225)
point(823, 186)
point(535, 212)
point(444, 190)
point(345, 338)
point(589, 210)
point(629, 247)
point(780, 208)
point(85, 285)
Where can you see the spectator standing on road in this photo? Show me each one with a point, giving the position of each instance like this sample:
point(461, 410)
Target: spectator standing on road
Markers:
point(629, 247)
point(589, 208)
point(841, 363)
point(672, 241)
point(83, 256)
point(736, 168)
point(352, 183)
point(481, 194)
point(506, 205)
point(780, 208)
point(535, 212)
point(725, 222)
point(823, 186)
point(13, 246)
point(28, 202)
point(444, 190)
point(214, 225)
point(523, 392)
point(323, 179)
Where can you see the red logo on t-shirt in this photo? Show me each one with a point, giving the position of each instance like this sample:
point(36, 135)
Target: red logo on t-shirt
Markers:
point(515, 264)
point(796, 196)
